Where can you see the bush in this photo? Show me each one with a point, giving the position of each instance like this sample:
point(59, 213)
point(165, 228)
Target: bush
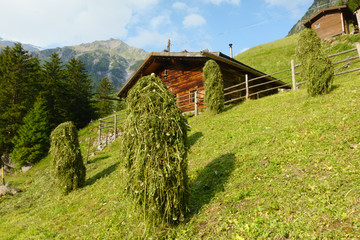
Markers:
point(316, 68)
point(154, 149)
point(32, 141)
point(214, 89)
point(67, 161)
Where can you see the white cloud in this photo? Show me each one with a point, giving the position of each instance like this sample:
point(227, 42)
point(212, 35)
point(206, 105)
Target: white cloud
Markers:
point(218, 2)
point(293, 6)
point(158, 21)
point(179, 6)
point(65, 22)
point(147, 38)
point(193, 20)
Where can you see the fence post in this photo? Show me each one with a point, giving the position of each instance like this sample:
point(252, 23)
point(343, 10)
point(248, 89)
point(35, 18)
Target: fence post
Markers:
point(88, 152)
point(293, 75)
point(247, 86)
point(358, 48)
point(100, 131)
point(196, 105)
point(115, 127)
point(3, 175)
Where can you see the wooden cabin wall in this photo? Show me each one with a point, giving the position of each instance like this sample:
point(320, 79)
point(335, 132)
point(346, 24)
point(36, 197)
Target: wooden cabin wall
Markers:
point(183, 78)
point(233, 77)
point(330, 25)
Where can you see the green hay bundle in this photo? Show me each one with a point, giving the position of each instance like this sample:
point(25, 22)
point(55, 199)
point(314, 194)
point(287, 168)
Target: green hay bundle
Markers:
point(154, 150)
point(316, 67)
point(214, 88)
point(66, 158)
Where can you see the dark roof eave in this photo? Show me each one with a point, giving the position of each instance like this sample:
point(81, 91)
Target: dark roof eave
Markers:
point(212, 55)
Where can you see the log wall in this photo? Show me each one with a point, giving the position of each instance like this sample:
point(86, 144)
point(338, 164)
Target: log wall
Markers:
point(330, 25)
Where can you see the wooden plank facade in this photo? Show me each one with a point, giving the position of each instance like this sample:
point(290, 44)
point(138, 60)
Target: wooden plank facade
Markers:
point(331, 22)
point(182, 74)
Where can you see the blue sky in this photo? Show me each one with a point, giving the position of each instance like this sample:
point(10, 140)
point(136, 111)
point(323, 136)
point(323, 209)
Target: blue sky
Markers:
point(193, 25)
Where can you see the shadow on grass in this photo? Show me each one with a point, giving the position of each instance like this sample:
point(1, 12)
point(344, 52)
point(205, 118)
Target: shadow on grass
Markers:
point(333, 87)
point(193, 138)
point(103, 173)
point(232, 105)
point(210, 181)
point(98, 159)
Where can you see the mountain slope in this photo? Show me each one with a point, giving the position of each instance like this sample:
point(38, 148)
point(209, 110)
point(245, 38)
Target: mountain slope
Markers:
point(29, 47)
point(112, 58)
point(280, 167)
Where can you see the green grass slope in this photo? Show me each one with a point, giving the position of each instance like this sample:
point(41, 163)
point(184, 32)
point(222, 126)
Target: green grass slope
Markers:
point(284, 166)
point(271, 57)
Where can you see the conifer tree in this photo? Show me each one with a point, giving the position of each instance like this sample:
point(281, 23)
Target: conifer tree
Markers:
point(67, 162)
point(19, 86)
point(80, 91)
point(316, 68)
point(55, 91)
point(154, 151)
point(214, 89)
point(32, 140)
point(103, 106)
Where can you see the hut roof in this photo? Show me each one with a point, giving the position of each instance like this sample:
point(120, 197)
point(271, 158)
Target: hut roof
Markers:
point(151, 64)
point(343, 8)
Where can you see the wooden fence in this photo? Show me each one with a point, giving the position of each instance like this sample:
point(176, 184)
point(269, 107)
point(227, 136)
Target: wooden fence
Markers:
point(191, 102)
point(111, 124)
point(351, 58)
point(194, 101)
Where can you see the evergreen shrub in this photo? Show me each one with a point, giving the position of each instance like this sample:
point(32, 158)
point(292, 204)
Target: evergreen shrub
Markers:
point(67, 161)
point(316, 68)
point(214, 89)
point(32, 140)
point(154, 149)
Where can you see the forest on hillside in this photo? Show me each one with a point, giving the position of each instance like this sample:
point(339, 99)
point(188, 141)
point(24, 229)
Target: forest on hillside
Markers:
point(36, 97)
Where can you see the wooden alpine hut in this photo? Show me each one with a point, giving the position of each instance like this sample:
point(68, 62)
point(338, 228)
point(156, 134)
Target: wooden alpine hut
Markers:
point(182, 74)
point(331, 22)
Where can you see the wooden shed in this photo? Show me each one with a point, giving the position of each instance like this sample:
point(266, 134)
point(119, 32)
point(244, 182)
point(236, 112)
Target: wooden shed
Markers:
point(357, 16)
point(331, 22)
point(182, 73)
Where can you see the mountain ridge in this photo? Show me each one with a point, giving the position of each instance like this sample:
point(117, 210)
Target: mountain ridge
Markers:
point(111, 58)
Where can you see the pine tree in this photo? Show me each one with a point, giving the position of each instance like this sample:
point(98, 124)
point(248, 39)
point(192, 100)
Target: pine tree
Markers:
point(32, 140)
point(55, 91)
point(214, 89)
point(103, 106)
point(316, 68)
point(19, 86)
point(80, 92)
point(67, 162)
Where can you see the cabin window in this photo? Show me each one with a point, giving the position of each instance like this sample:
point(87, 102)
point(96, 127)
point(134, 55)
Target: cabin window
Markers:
point(192, 96)
point(317, 26)
point(165, 74)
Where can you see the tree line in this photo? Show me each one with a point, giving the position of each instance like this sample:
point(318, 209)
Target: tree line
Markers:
point(35, 97)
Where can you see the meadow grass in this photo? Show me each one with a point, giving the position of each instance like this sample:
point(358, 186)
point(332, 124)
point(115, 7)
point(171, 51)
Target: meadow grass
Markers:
point(284, 166)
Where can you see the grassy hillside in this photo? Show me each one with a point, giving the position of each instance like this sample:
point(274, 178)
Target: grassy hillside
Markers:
point(276, 56)
point(271, 57)
point(284, 166)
